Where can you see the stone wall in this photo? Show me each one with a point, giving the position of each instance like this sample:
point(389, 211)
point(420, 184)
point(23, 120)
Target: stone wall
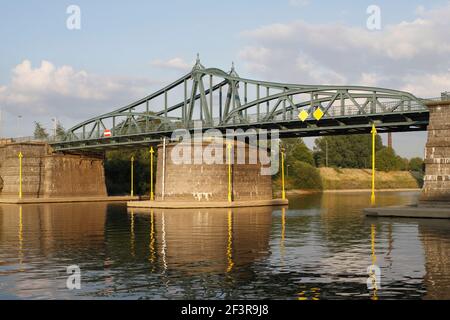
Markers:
point(32, 168)
point(199, 181)
point(45, 174)
point(437, 155)
point(69, 175)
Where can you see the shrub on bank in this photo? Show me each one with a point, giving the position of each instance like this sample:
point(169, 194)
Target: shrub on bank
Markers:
point(304, 176)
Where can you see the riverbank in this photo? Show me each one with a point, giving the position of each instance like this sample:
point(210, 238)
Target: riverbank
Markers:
point(357, 180)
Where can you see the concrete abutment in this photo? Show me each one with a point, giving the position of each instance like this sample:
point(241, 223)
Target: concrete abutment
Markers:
point(49, 175)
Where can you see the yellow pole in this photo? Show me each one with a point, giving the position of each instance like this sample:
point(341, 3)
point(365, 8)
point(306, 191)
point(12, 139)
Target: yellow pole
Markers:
point(229, 172)
point(283, 193)
point(374, 133)
point(230, 242)
point(132, 173)
point(152, 197)
point(20, 174)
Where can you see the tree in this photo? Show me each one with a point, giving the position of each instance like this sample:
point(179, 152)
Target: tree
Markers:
point(118, 171)
point(416, 164)
point(39, 131)
point(296, 150)
point(352, 151)
point(305, 176)
point(388, 160)
point(60, 131)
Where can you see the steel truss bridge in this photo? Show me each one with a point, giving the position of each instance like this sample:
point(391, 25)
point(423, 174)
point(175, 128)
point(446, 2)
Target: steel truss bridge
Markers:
point(216, 99)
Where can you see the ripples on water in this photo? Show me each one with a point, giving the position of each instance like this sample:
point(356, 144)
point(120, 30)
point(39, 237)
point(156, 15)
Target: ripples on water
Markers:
point(319, 248)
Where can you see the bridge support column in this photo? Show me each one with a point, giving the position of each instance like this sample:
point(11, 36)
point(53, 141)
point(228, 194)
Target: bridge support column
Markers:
point(46, 175)
point(436, 189)
point(197, 179)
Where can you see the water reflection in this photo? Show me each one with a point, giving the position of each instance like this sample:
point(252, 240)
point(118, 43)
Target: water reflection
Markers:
point(435, 238)
point(319, 248)
point(197, 241)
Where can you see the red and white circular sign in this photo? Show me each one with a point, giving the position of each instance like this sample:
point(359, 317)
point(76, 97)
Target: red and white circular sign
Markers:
point(107, 133)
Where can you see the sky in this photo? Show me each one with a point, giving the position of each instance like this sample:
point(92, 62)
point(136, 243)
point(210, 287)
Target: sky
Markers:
point(126, 50)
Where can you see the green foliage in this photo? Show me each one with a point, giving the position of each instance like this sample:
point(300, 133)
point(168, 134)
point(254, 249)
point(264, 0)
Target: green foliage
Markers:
point(60, 131)
point(296, 150)
point(303, 175)
point(39, 131)
point(352, 151)
point(388, 160)
point(118, 171)
point(416, 164)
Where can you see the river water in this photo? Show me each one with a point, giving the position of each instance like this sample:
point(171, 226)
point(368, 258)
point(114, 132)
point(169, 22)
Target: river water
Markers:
point(319, 248)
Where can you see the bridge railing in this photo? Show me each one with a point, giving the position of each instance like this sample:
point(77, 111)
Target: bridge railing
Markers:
point(262, 117)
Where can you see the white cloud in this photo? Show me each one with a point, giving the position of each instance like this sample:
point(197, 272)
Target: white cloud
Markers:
point(48, 90)
point(410, 54)
point(428, 85)
point(174, 63)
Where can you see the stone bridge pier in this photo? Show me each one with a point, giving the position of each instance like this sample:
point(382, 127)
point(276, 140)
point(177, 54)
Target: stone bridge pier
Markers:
point(436, 188)
point(198, 174)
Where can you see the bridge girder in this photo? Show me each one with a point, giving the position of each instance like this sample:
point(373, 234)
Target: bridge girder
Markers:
point(230, 102)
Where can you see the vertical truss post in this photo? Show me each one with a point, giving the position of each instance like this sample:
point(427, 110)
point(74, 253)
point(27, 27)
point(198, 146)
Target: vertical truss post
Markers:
point(373, 104)
point(220, 104)
point(211, 98)
point(113, 129)
point(245, 98)
point(257, 106)
point(183, 110)
point(165, 104)
point(146, 118)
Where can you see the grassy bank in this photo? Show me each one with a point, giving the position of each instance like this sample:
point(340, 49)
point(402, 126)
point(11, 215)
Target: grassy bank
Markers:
point(357, 179)
point(341, 179)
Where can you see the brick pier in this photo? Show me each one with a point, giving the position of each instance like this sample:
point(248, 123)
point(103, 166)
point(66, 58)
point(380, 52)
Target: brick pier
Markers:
point(436, 189)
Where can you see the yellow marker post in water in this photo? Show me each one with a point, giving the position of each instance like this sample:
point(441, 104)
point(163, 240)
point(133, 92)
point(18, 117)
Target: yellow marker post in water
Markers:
point(152, 197)
point(283, 193)
point(20, 174)
point(229, 171)
point(374, 134)
point(132, 173)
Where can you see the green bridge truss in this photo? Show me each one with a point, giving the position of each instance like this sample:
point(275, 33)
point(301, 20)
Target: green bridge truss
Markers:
point(216, 99)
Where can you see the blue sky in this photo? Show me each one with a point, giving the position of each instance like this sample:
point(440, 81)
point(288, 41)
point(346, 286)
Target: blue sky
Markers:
point(128, 49)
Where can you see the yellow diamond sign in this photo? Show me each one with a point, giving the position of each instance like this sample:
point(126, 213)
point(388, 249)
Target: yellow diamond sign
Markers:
point(318, 114)
point(303, 115)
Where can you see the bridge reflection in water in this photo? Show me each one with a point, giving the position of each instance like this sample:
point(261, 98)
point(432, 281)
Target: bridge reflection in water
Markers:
point(319, 248)
point(181, 239)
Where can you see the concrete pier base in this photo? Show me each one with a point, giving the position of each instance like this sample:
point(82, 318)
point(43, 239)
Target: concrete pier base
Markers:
point(209, 204)
point(197, 174)
point(15, 200)
point(409, 212)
